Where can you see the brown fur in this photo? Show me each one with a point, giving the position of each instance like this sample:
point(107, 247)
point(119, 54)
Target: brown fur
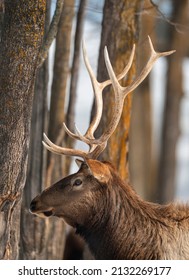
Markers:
point(111, 217)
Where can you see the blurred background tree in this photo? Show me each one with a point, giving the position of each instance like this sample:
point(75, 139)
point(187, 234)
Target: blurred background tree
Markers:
point(176, 38)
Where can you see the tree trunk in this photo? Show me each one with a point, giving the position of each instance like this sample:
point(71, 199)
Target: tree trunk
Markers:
point(32, 228)
point(22, 34)
point(61, 75)
point(75, 66)
point(1, 15)
point(171, 131)
point(140, 155)
point(119, 33)
point(70, 116)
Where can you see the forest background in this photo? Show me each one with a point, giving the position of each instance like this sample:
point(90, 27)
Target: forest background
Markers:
point(150, 147)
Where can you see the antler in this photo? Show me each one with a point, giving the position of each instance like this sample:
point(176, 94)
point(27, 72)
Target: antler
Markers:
point(97, 89)
point(96, 146)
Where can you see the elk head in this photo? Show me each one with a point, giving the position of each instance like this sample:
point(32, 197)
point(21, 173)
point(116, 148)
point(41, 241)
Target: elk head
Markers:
point(77, 197)
point(73, 198)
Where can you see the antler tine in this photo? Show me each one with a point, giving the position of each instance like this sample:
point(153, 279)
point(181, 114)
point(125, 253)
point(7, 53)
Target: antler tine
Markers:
point(59, 150)
point(119, 100)
point(97, 89)
point(125, 70)
point(102, 85)
point(71, 134)
point(146, 70)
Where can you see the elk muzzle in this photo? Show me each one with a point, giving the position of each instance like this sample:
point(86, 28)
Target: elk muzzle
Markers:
point(37, 208)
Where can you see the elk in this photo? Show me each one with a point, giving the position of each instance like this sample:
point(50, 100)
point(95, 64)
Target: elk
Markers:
point(113, 220)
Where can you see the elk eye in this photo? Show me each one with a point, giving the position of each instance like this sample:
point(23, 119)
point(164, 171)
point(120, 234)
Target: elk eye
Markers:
point(77, 182)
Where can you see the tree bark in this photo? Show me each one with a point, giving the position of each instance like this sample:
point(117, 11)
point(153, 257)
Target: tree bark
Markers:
point(171, 130)
point(119, 32)
point(1, 15)
point(22, 34)
point(51, 33)
point(70, 115)
point(32, 228)
point(140, 155)
point(61, 74)
point(75, 65)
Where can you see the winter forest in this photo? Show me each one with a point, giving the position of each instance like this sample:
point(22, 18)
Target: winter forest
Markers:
point(44, 82)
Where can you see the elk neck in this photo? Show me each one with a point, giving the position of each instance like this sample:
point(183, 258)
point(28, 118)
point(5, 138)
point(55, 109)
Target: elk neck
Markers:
point(120, 218)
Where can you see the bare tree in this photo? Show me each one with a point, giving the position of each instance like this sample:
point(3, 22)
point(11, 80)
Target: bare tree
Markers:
point(174, 93)
point(21, 54)
point(30, 239)
point(75, 65)
point(20, 45)
point(70, 116)
point(119, 32)
point(140, 154)
point(61, 75)
point(1, 15)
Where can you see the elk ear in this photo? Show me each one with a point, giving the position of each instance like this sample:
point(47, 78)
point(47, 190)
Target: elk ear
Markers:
point(79, 162)
point(84, 165)
point(99, 170)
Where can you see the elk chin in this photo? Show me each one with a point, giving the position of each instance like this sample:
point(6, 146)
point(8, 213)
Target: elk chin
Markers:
point(43, 214)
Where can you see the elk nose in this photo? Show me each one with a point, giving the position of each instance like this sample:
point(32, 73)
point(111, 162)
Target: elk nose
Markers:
point(33, 206)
